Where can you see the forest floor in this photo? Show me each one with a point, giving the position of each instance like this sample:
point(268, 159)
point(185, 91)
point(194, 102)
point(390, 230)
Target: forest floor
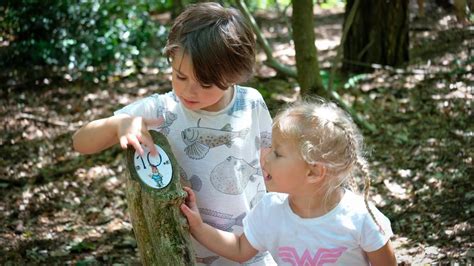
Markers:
point(60, 207)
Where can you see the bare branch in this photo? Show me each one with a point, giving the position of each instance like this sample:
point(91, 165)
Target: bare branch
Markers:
point(271, 62)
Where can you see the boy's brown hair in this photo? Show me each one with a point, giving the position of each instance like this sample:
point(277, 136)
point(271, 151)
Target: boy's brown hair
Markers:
point(219, 41)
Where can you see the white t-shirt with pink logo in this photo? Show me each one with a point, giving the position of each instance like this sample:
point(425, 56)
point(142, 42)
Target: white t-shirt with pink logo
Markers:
point(340, 237)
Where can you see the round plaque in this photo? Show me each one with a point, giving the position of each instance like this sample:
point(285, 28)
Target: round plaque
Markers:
point(153, 171)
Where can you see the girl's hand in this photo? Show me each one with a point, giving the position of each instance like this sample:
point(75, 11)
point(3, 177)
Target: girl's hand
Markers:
point(190, 209)
point(133, 130)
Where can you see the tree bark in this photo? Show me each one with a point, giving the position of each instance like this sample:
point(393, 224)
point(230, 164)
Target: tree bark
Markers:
point(307, 65)
point(160, 229)
point(378, 35)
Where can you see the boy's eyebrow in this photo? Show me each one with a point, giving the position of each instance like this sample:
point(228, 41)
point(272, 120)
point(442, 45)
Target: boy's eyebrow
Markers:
point(179, 72)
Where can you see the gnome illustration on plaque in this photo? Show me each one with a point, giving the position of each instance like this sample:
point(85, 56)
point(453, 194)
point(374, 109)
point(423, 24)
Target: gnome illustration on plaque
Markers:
point(156, 176)
point(153, 171)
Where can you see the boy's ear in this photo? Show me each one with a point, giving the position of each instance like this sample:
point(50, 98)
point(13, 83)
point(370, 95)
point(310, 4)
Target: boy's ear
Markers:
point(316, 173)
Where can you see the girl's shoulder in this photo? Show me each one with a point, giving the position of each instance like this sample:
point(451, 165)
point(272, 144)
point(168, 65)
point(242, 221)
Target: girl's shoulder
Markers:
point(353, 202)
point(354, 206)
point(273, 200)
point(271, 204)
point(276, 197)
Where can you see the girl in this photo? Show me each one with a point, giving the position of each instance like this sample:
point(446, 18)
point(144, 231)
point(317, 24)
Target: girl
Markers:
point(310, 217)
point(211, 123)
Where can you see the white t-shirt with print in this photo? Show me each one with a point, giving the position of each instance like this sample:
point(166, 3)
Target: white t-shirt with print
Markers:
point(339, 237)
point(219, 155)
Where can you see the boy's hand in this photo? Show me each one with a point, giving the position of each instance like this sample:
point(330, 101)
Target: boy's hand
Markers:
point(133, 130)
point(190, 209)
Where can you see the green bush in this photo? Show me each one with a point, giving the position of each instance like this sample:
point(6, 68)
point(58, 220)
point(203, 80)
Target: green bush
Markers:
point(93, 37)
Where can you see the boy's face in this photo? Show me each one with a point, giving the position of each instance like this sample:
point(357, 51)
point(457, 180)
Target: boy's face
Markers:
point(192, 94)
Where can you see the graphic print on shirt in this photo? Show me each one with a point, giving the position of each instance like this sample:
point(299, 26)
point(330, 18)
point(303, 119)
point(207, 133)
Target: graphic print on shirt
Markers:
point(241, 102)
point(219, 220)
point(174, 97)
point(169, 118)
point(232, 175)
point(195, 183)
point(265, 141)
point(207, 260)
point(199, 140)
point(322, 256)
point(260, 193)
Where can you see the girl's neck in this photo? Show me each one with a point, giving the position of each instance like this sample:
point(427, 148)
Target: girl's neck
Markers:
point(313, 205)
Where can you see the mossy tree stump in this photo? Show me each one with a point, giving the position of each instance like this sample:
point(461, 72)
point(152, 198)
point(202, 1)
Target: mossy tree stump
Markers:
point(154, 194)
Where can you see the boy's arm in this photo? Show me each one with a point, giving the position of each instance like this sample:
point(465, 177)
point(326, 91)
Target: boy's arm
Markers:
point(226, 244)
point(383, 256)
point(101, 134)
point(97, 135)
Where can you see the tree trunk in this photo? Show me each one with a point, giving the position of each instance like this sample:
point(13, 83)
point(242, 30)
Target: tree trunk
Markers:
point(177, 8)
point(160, 229)
point(377, 35)
point(307, 64)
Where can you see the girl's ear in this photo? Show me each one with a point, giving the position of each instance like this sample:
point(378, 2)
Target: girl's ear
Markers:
point(316, 173)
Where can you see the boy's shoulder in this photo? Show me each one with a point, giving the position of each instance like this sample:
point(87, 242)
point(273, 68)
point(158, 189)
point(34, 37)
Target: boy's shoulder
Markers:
point(167, 96)
point(164, 100)
point(248, 92)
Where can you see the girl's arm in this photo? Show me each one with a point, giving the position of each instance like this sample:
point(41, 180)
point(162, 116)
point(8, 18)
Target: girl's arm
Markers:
point(228, 245)
point(383, 256)
point(101, 134)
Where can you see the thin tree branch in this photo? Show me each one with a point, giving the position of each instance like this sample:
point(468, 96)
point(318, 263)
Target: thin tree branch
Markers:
point(42, 120)
point(271, 62)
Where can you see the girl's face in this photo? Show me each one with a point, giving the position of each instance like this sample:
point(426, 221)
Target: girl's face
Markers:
point(286, 170)
point(192, 94)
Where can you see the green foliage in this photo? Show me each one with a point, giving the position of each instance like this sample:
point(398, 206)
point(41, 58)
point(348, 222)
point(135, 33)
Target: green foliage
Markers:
point(353, 81)
point(80, 36)
point(83, 246)
point(328, 4)
point(266, 4)
point(325, 75)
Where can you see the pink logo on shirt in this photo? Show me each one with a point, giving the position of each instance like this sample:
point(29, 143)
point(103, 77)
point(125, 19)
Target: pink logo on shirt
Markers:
point(323, 255)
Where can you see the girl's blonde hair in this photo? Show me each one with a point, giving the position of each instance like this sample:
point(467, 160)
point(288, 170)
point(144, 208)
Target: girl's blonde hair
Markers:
point(327, 135)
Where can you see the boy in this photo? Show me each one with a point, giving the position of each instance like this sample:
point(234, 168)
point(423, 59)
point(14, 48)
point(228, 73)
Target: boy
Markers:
point(217, 129)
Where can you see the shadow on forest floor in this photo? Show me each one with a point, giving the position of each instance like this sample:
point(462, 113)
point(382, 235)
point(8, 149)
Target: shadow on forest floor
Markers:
point(61, 207)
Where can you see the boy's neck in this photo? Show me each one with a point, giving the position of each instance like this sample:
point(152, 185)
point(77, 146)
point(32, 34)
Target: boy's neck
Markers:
point(313, 205)
point(223, 102)
point(227, 98)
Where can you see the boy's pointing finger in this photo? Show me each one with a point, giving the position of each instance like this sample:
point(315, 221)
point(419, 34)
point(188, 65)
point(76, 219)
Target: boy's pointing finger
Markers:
point(147, 140)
